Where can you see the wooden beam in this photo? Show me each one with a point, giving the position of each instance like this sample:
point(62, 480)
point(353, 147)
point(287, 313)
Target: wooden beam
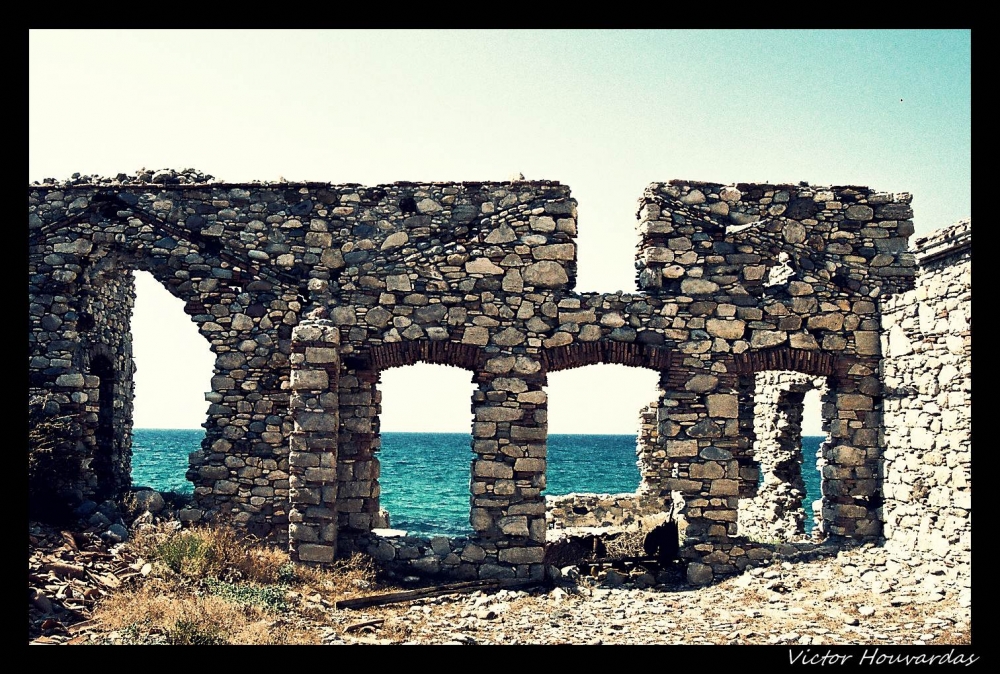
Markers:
point(435, 591)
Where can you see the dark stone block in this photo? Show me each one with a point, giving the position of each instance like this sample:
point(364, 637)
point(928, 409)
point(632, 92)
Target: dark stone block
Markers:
point(417, 221)
point(650, 337)
point(302, 208)
point(801, 208)
point(408, 205)
point(464, 213)
point(488, 284)
point(356, 256)
point(327, 197)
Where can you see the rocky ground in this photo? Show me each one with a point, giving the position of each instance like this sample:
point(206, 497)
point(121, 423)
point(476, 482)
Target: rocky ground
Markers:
point(856, 596)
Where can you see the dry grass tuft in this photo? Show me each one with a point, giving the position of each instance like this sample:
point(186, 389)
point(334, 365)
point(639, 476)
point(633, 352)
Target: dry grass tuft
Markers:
point(213, 585)
point(751, 597)
point(353, 577)
point(157, 613)
point(213, 552)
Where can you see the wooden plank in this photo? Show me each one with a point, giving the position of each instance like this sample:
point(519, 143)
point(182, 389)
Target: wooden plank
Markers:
point(435, 591)
point(364, 623)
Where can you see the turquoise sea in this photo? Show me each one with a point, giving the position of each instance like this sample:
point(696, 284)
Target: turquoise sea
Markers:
point(425, 476)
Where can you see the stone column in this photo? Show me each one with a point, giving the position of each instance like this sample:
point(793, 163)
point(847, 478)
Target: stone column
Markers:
point(359, 442)
point(746, 452)
point(314, 405)
point(775, 511)
point(651, 450)
point(63, 394)
point(700, 422)
point(650, 454)
point(508, 471)
point(851, 489)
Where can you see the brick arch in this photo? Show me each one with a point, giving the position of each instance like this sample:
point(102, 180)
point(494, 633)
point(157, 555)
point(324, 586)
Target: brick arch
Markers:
point(397, 354)
point(788, 358)
point(580, 354)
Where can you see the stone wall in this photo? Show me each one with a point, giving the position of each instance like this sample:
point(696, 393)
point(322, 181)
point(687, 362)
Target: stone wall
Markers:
point(733, 280)
point(89, 381)
point(928, 376)
point(600, 510)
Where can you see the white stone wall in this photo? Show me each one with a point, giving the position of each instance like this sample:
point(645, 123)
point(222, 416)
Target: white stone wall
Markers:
point(601, 510)
point(927, 375)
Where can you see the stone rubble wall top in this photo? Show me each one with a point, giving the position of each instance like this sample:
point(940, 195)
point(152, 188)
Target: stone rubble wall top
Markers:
point(946, 242)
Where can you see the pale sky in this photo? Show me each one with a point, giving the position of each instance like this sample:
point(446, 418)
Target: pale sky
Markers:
point(603, 111)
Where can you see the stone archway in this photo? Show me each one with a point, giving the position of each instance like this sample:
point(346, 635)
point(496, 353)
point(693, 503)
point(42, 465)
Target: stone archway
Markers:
point(480, 275)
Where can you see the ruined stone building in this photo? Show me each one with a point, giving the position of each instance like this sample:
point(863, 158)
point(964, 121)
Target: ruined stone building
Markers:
point(748, 296)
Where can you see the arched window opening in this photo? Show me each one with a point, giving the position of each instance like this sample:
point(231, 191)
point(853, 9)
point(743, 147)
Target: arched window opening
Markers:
point(425, 454)
point(173, 371)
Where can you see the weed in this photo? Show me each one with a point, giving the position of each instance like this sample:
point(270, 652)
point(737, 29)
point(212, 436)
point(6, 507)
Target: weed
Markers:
point(213, 552)
point(160, 611)
point(195, 633)
point(187, 554)
point(352, 577)
point(270, 597)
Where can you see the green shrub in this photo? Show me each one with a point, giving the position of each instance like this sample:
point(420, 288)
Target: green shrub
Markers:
point(186, 553)
point(270, 597)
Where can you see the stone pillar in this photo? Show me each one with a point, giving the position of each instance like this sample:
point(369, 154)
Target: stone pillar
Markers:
point(851, 489)
point(700, 421)
point(654, 464)
point(358, 465)
point(312, 461)
point(650, 454)
point(746, 452)
point(508, 471)
point(775, 511)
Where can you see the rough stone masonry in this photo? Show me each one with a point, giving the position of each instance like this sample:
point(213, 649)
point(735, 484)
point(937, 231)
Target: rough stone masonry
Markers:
point(305, 292)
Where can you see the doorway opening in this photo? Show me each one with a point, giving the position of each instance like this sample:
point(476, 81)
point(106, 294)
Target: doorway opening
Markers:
point(174, 369)
point(107, 451)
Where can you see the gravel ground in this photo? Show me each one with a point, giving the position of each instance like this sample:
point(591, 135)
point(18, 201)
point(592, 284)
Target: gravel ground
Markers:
point(853, 597)
point(858, 597)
